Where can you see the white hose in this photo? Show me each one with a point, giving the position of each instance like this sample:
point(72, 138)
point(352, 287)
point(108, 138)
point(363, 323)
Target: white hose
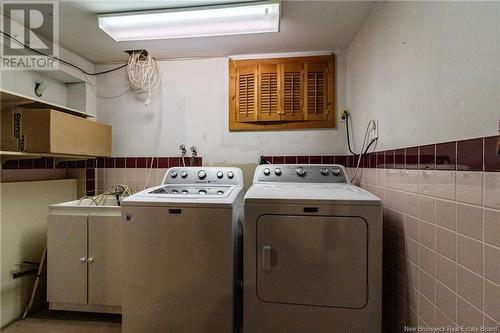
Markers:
point(143, 73)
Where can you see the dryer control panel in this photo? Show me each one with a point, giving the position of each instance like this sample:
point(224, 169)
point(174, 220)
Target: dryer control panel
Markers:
point(203, 175)
point(301, 173)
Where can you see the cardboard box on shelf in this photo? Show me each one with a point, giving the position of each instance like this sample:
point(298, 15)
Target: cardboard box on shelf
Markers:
point(51, 131)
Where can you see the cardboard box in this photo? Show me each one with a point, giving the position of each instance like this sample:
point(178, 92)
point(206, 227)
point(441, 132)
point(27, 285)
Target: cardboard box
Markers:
point(56, 132)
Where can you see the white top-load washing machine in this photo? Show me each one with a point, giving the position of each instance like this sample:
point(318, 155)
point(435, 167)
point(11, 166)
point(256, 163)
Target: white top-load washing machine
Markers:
point(179, 252)
point(312, 252)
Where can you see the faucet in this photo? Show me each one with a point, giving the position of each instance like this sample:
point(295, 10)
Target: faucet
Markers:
point(194, 153)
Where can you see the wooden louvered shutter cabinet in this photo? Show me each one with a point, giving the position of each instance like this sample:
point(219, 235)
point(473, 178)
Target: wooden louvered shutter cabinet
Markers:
point(246, 94)
point(268, 92)
point(282, 93)
point(292, 91)
point(316, 91)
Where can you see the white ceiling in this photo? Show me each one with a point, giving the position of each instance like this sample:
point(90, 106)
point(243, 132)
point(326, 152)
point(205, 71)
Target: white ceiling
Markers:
point(305, 26)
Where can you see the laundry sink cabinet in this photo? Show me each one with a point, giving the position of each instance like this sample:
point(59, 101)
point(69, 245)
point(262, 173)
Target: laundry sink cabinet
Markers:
point(84, 258)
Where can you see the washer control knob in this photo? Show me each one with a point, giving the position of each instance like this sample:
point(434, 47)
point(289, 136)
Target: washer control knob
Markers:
point(202, 174)
point(277, 171)
point(267, 172)
point(230, 174)
point(324, 171)
point(220, 174)
point(173, 174)
point(336, 171)
point(301, 171)
point(184, 174)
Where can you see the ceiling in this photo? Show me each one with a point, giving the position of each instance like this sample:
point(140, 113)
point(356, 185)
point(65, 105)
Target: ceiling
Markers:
point(305, 26)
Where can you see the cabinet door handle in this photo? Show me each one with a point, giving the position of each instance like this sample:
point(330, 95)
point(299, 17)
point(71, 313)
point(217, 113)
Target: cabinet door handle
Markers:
point(266, 258)
point(90, 260)
point(83, 260)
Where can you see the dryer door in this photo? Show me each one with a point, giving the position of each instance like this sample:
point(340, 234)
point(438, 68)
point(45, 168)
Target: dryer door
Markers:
point(312, 260)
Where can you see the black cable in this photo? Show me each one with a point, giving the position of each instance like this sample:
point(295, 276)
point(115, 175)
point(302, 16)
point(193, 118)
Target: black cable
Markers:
point(366, 150)
point(67, 63)
point(347, 132)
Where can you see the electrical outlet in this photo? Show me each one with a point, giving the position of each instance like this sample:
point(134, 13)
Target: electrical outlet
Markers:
point(343, 116)
point(373, 132)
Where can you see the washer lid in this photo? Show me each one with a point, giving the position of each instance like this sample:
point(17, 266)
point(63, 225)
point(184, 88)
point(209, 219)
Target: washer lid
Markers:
point(332, 194)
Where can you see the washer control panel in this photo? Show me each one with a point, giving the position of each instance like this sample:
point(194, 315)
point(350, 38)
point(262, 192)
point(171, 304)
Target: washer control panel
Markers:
point(203, 175)
point(306, 173)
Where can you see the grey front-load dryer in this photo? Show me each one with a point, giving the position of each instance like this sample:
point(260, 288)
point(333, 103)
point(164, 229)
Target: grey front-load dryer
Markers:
point(312, 252)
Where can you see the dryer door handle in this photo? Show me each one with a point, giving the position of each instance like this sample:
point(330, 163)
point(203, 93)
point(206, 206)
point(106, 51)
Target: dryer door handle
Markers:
point(267, 254)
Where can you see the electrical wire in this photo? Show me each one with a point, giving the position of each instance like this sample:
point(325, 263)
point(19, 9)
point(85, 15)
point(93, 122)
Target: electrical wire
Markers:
point(363, 150)
point(159, 130)
point(143, 72)
point(348, 135)
point(360, 157)
point(64, 62)
point(118, 191)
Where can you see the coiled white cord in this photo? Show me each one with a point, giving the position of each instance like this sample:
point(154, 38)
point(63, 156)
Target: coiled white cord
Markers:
point(143, 73)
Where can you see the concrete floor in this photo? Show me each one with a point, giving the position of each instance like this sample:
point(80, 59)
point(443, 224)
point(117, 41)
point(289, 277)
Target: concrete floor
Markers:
point(66, 322)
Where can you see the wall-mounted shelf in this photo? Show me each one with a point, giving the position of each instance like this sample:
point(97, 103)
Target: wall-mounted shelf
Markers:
point(19, 155)
point(9, 98)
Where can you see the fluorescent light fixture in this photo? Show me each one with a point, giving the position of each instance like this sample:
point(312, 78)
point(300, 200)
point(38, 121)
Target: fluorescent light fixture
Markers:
point(217, 20)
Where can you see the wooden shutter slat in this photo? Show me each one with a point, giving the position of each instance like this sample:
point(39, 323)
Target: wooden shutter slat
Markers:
point(246, 109)
point(316, 92)
point(292, 92)
point(269, 106)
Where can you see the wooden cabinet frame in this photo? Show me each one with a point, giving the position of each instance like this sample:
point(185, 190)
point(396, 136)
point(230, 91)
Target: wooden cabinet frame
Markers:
point(282, 93)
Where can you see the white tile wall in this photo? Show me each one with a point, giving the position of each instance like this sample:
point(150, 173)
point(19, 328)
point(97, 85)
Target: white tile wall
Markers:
point(443, 227)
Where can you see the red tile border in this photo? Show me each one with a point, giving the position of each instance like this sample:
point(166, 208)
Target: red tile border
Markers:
point(411, 158)
point(372, 160)
point(380, 159)
point(303, 160)
point(119, 162)
point(327, 159)
point(91, 163)
point(389, 159)
point(455, 155)
point(470, 155)
point(399, 159)
point(491, 158)
point(163, 162)
point(464, 155)
point(427, 157)
point(446, 156)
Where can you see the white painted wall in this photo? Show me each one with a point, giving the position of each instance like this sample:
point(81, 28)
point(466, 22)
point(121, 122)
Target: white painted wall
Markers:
point(427, 71)
point(195, 106)
point(23, 81)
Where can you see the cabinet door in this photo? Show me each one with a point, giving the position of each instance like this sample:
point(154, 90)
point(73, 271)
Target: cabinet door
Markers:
point(67, 259)
point(268, 92)
point(104, 260)
point(292, 91)
point(316, 91)
point(312, 260)
point(246, 93)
